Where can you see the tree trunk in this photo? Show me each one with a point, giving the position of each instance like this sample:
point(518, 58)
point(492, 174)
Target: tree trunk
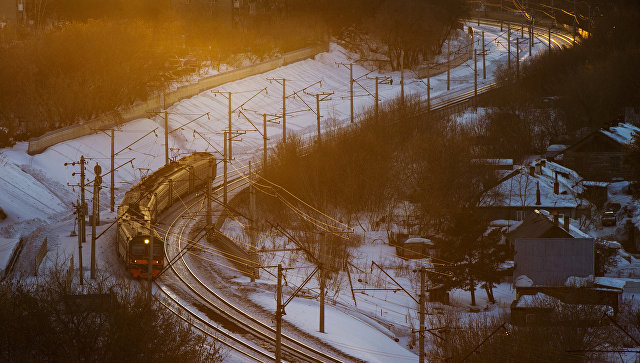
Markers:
point(472, 290)
point(488, 287)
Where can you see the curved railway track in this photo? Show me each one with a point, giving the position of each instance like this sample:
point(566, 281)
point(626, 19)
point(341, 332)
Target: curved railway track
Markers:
point(181, 275)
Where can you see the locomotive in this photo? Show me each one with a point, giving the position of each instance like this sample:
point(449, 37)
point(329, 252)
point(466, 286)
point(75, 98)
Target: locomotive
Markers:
point(135, 237)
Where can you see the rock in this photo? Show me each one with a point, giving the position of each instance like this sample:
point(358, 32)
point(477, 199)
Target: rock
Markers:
point(3, 215)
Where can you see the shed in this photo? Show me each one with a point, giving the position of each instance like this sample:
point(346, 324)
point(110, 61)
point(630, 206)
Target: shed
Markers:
point(416, 248)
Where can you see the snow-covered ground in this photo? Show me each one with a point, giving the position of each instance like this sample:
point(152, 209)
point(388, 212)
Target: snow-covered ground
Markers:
point(36, 191)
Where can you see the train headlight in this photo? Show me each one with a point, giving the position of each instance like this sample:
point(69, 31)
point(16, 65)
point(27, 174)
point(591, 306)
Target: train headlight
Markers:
point(146, 241)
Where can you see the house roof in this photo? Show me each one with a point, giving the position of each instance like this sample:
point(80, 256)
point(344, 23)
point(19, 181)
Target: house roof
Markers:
point(622, 133)
point(518, 188)
point(538, 225)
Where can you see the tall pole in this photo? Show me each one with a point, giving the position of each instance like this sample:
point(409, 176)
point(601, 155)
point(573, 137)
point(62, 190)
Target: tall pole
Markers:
point(475, 73)
point(166, 138)
point(428, 89)
point(209, 216)
point(517, 58)
point(230, 156)
point(279, 315)
point(113, 187)
point(402, 77)
point(323, 259)
point(377, 97)
point(448, 65)
point(224, 182)
point(351, 89)
point(284, 112)
point(79, 212)
point(94, 217)
point(254, 225)
point(318, 114)
point(484, 67)
point(84, 203)
point(530, 38)
point(264, 140)
point(150, 267)
point(422, 303)
point(549, 39)
point(509, 45)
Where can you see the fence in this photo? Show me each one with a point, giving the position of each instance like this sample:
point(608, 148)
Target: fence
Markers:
point(157, 102)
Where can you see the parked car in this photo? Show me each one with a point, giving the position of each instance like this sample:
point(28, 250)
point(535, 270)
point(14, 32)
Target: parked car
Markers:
point(608, 218)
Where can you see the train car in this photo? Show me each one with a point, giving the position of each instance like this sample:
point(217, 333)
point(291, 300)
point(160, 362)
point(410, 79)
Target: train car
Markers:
point(149, 198)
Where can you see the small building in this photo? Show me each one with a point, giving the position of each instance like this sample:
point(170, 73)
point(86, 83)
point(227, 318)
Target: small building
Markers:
point(543, 225)
point(416, 247)
point(551, 261)
point(601, 155)
point(542, 185)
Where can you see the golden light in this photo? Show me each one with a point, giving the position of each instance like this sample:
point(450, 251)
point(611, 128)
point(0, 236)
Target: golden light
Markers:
point(146, 241)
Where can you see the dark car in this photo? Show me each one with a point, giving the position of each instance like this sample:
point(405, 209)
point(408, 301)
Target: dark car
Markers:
point(608, 218)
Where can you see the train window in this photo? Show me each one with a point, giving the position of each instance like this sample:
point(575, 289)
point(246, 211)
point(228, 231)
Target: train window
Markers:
point(138, 249)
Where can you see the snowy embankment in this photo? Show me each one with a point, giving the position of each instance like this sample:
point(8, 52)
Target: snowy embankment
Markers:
point(36, 192)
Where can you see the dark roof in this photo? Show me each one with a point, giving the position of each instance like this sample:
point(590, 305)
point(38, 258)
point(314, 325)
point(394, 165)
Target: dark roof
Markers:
point(537, 225)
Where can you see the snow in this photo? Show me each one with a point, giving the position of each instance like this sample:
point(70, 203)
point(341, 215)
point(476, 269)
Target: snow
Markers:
point(345, 332)
point(37, 190)
point(622, 133)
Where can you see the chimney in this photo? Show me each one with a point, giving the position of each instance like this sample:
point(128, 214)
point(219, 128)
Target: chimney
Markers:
point(532, 170)
point(566, 221)
point(538, 193)
point(556, 185)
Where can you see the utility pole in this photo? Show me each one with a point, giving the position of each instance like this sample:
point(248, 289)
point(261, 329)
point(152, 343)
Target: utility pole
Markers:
point(484, 67)
point(530, 36)
point(379, 81)
point(475, 73)
point(422, 303)
point(282, 81)
point(112, 202)
point(229, 139)
point(323, 275)
point(254, 225)
point(402, 77)
point(225, 160)
point(325, 96)
point(82, 197)
point(264, 140)
point(509, 45)
point(94, 216)
point(549, 39)
point(279, 309)
point(350, 67)
point(428, 88)
point(166, 138)
point(448, 64)
point(209, 216)
point(81, 211)
point(517, 58)
point(151, 242)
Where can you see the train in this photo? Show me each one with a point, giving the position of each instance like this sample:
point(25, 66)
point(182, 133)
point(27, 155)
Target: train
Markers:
point(153, 195)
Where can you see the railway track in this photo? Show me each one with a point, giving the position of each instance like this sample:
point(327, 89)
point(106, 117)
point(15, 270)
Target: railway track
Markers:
point(293, 350)
point(181, 274)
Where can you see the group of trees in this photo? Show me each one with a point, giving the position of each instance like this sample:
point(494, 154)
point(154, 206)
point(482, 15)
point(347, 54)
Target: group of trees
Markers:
point(578, 89)
point(42, 321)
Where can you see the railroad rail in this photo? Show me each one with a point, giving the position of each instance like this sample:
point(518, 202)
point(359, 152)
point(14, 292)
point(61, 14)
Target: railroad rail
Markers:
point(293, 349)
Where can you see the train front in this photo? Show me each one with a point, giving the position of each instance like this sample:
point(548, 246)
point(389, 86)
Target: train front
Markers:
point(139, 256)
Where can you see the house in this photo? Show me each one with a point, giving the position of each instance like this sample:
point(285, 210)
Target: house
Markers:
point(601, 155)
point(541, 224)
point(551, 261)
point(416, 248)
point(541, 185)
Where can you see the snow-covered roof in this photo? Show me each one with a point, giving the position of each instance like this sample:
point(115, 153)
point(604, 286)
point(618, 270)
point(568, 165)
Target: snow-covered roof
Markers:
point(623, 133)
point(519, 189)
